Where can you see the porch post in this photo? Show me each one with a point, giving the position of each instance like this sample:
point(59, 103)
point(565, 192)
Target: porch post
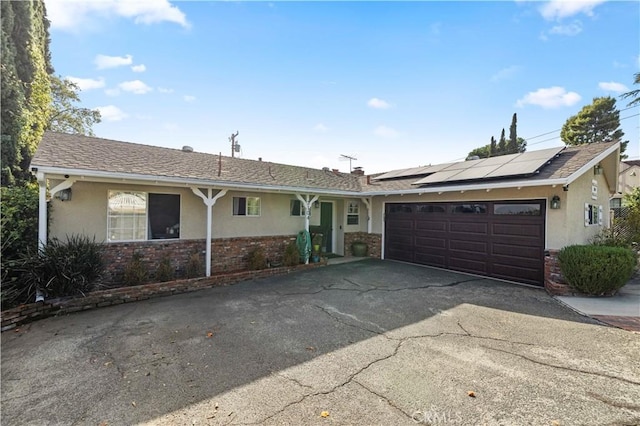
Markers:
point(306, 203)
point(367, 202)
point(42, 209)
point(209, 201)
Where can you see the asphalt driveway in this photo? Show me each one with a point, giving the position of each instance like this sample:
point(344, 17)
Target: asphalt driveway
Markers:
point(370, 342)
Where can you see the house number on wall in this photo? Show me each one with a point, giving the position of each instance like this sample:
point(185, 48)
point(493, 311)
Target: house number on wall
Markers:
point(594, 189)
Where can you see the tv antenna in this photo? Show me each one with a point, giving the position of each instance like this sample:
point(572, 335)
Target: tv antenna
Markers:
point(235, 146)
point(350, 158)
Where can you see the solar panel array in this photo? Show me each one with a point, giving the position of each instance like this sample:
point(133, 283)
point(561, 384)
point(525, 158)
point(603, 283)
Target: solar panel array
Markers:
point(521, 164)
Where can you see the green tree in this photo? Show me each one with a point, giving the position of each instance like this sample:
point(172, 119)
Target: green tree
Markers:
point(481, 152)
point(502, 144)
point(512, 145)
point(633, 94)
point(66, 117)
point(596, 122)
point(493, 147)
point(26, 91)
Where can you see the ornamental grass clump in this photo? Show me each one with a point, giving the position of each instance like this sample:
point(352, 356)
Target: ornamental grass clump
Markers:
point(64, 268)
point(597, 270)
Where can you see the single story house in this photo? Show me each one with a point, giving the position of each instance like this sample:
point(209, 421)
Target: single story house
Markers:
point(503, 217)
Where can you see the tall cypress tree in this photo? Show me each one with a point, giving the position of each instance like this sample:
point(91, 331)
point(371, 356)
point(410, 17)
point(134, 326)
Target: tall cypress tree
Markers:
point(512, 145)
point(502, 145)
point(493, 147)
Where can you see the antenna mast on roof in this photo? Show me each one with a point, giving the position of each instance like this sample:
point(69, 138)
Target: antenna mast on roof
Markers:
point(350, 158)
point(235, 147)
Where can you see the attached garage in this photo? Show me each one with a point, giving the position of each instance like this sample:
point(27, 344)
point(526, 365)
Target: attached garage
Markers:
point(500, 239)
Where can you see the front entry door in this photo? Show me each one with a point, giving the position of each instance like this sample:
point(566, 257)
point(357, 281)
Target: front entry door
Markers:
point(326, 222)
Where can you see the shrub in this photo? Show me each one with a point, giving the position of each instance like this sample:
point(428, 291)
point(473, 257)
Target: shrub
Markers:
point(291, 256)
point(609, 237)
point(256, 259)
point(597, 270)
point(135, 273)
point(194, 266)
point(61, 268)
point(165, 271)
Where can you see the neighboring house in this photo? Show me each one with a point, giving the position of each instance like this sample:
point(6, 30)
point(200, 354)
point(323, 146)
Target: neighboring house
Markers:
point(495, 217)
point(628, 180)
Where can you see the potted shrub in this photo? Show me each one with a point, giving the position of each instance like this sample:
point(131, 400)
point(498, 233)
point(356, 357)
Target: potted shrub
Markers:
point(359, 248)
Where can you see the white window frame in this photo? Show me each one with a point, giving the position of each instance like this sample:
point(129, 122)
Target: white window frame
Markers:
point(353, 212)
point(592, 215)
point(292, 204)
point(137, 213)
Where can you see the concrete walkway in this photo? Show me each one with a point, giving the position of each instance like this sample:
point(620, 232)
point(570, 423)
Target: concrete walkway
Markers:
point(621, 310)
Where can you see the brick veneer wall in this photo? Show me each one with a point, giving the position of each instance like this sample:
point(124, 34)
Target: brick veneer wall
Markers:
point(373, 242)
point(554, 283)
point(227, 254)
point(30, 312)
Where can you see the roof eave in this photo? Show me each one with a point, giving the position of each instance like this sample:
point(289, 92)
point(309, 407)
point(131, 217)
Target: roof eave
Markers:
point(184, 182)
point(590, 164)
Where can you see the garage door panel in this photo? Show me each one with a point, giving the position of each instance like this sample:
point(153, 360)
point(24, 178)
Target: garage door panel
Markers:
point(507, 246)
point(517, 230)
point(469, 227)
point(439, 225)
point(399, 224)
point(475, 246)
point(511, 250)
point(423, 243)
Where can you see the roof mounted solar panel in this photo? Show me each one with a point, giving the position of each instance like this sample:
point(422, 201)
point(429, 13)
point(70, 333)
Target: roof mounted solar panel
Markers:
point(523, 164)
point(414, 171)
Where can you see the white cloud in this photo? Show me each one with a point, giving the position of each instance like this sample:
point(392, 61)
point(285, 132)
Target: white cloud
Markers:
point(552, 97)
point(378, 104)
point(559, 9)
point(136, 87)
point(71, 15)
point(139, 68)
point(111, 113)
point(320, 128)
point(570, 30)
point(189, 98)
point(612, 86)
point(104, 61)
point(164, 90)
point(386, 132)
point(505, 73)
point(87, 83)
point(112, 92)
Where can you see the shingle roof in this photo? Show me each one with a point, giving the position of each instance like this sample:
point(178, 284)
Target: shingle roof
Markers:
point(64, 151)
point(632, 163)
point(61, 150)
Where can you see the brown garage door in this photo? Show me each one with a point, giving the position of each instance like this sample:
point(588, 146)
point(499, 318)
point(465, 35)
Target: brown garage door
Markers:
point(497, 239)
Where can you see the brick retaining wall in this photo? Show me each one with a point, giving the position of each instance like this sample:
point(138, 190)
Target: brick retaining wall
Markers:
point(26, 313)
point(227, 254)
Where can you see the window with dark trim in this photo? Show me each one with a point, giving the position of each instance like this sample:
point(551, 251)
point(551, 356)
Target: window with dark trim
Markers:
point(139, 216)
point(246, 206)
point(592, 214)
point(295, 208)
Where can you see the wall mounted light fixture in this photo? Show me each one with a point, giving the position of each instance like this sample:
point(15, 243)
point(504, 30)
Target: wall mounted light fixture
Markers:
point(555, 202)
point(64, 195)
point(597, 169)
point(316, 204)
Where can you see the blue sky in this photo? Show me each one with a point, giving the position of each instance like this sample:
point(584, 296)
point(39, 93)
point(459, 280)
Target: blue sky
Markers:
point(395, 84)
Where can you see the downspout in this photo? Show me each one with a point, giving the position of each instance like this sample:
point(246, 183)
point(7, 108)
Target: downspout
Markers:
point(367, 202)
point(209, 201)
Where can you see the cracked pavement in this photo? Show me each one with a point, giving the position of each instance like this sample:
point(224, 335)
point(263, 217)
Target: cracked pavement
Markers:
point(369, 342)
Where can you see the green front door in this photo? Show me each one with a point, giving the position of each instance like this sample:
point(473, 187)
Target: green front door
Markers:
point(326, 222)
